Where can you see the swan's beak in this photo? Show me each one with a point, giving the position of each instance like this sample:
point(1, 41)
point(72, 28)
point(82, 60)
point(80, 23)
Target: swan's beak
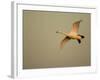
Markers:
point(56, 31)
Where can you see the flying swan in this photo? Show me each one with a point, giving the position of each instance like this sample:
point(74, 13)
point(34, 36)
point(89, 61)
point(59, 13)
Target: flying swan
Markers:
point(73, 34)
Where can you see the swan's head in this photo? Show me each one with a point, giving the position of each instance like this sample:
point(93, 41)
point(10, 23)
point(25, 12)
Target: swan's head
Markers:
point(58, 31)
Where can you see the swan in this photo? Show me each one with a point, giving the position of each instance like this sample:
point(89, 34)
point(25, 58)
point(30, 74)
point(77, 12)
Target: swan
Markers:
point(73, 34)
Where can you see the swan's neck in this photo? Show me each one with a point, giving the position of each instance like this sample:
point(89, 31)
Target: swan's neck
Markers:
point(62, 33)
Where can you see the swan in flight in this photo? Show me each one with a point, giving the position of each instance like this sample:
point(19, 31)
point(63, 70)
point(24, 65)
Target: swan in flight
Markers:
point(73, 34)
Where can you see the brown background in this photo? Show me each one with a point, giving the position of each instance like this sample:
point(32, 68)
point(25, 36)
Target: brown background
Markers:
point(41, 42)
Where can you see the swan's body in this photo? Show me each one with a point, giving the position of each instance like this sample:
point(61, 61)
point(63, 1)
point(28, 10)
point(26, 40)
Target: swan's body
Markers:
point(72, 35)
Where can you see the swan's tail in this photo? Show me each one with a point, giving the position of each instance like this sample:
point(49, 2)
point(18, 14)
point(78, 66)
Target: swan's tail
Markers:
point(81, 36)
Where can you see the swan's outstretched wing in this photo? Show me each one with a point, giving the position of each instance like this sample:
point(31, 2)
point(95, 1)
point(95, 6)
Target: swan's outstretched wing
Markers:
point(63, 42)
point(76, 26)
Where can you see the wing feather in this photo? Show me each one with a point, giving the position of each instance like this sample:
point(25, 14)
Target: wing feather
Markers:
point(75, 27)
point(63, 42)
